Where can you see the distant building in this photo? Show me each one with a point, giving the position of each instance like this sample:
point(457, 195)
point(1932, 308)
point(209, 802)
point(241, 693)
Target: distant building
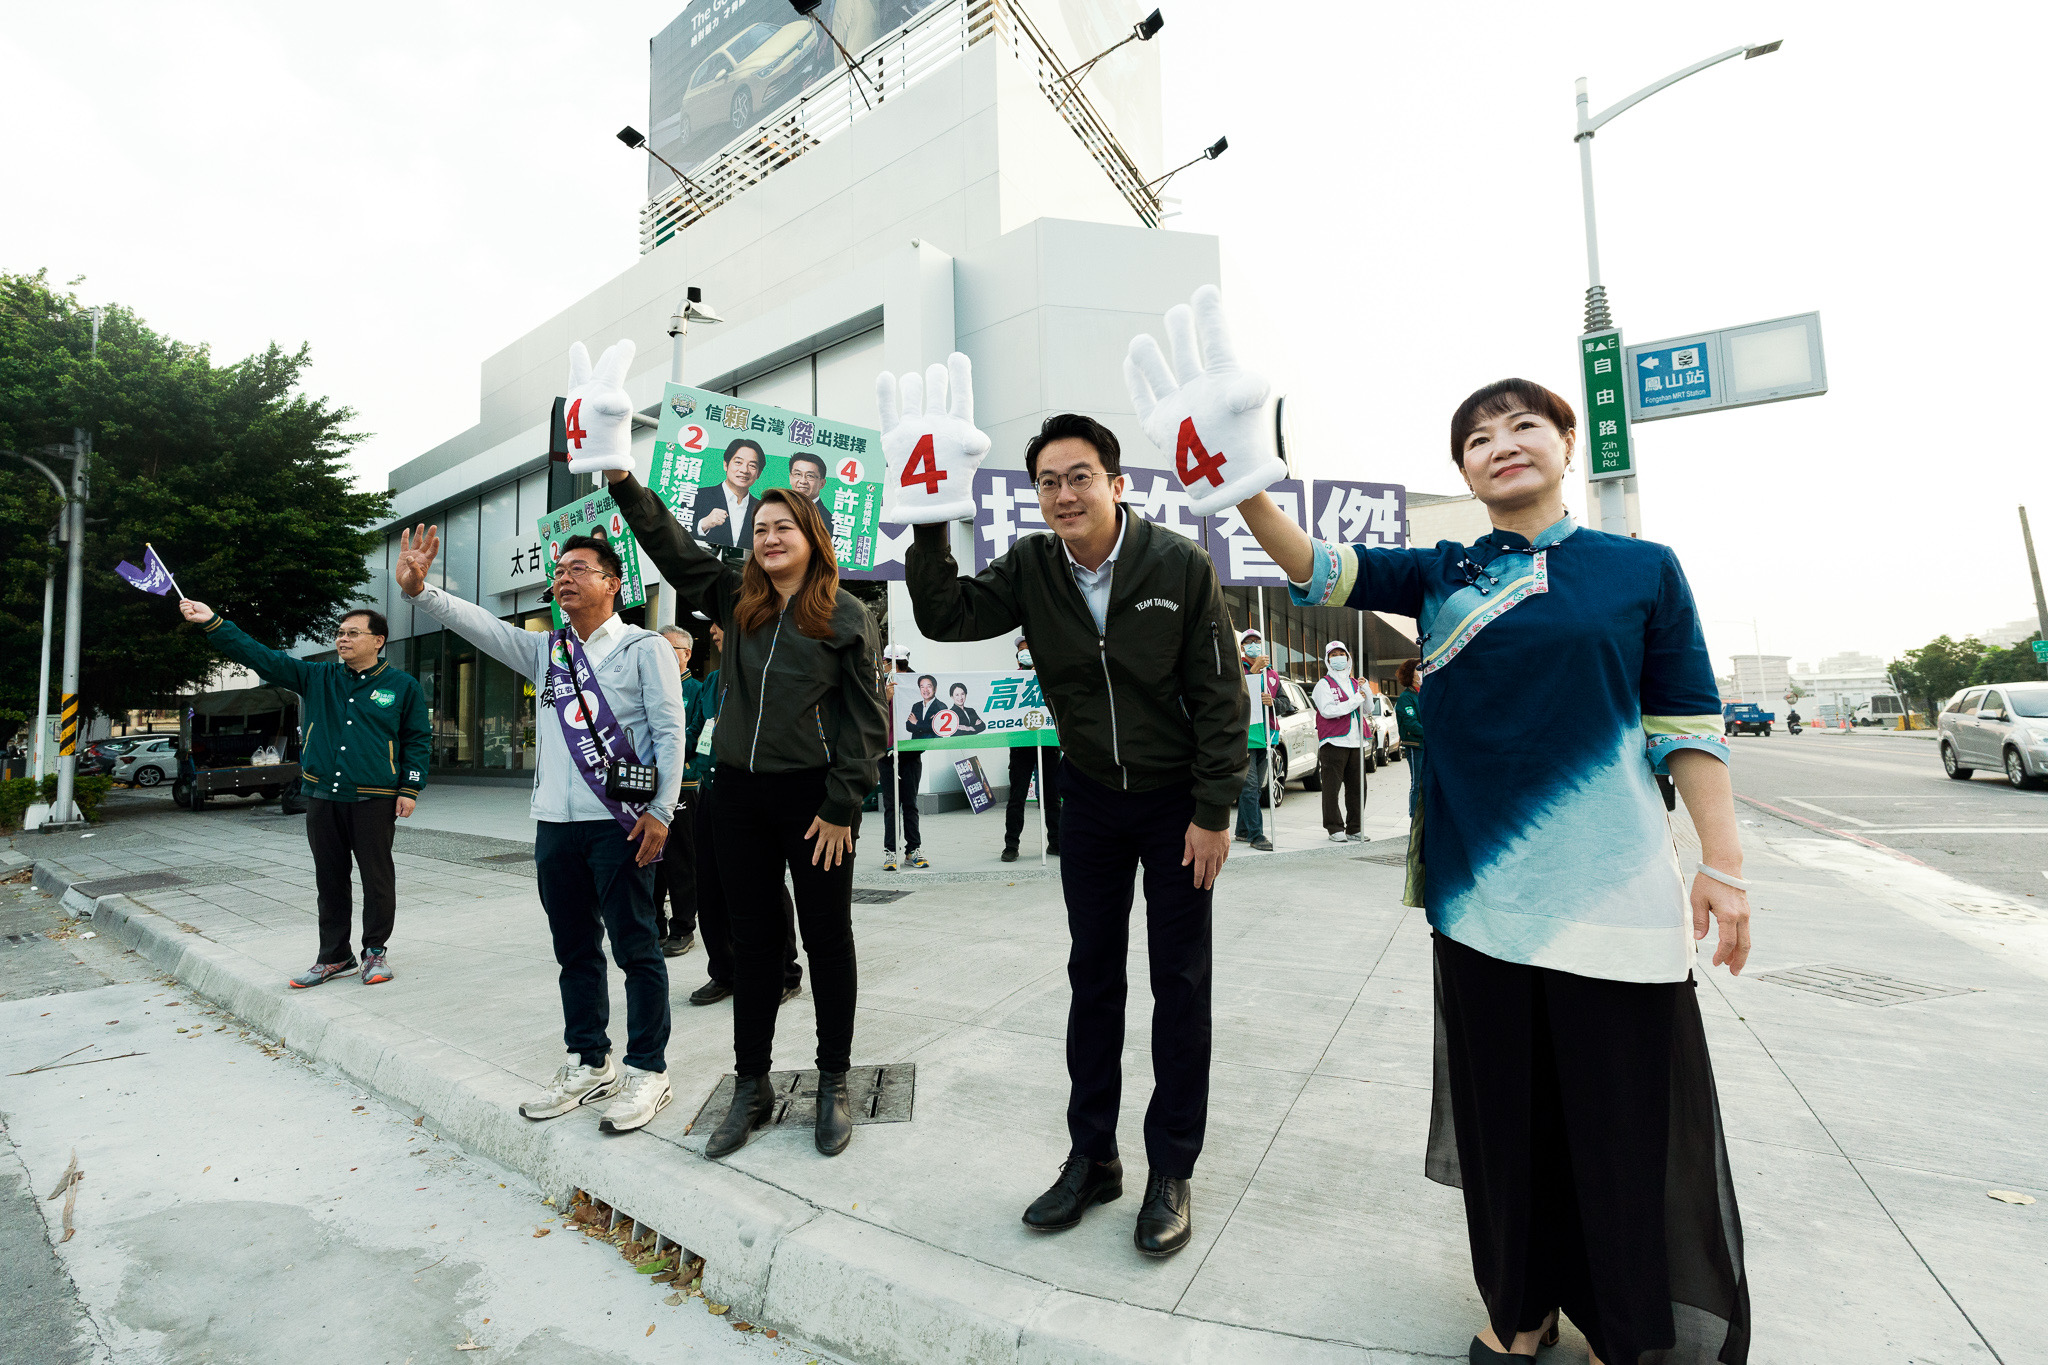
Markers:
point(2009, 634)
point(1762, 679)
point(1841, 685)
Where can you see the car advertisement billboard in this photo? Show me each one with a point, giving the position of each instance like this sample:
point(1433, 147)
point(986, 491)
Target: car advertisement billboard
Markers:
point(724, 65)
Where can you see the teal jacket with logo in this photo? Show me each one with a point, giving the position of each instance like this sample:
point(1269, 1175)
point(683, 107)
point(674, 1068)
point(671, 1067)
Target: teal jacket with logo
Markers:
point(365, 736)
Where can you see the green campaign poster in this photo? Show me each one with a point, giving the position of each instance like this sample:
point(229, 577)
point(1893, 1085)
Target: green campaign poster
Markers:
point(593, 514)
point(714, 455)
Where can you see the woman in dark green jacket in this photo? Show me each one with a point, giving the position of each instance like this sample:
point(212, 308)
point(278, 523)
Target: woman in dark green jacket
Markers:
point(1408, 715)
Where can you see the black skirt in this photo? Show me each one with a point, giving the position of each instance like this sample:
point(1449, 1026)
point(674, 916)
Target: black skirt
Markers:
point(1580, 1119)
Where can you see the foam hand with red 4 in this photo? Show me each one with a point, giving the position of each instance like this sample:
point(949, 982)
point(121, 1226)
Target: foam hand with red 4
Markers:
point(930, 443)
point(599, 422)
point(1212, 419)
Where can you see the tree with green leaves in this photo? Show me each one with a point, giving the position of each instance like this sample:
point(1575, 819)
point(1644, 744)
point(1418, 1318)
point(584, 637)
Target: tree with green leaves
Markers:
point(236, 478)
point(1937, 670)
point(2016, 663)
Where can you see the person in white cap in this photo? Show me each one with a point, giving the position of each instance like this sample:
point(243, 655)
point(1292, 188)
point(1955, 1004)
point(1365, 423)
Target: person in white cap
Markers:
point(1340, 730)
point(1251, 822)
point(902, 773)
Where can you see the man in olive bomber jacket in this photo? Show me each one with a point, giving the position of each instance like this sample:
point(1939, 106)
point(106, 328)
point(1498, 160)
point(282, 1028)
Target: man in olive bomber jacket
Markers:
point(1137, 662)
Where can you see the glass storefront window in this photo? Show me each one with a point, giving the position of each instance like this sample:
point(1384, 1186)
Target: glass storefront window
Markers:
point(459, 550)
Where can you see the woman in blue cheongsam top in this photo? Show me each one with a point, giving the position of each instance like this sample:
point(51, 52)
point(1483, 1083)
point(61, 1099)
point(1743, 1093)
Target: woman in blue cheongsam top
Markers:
point(1575, 1103)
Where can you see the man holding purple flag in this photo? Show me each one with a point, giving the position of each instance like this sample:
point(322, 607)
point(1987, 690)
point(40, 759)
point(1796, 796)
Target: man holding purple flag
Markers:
point(608, 702)
point(363, 761)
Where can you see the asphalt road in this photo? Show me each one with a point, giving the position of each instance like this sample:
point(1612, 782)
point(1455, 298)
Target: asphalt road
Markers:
point(1891, 791)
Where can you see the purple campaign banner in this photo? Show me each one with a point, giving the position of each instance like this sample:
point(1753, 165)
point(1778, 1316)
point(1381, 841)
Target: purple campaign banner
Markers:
point(1371, 514)
point(1240, 563)
point(1006, 508)
point(892, 542)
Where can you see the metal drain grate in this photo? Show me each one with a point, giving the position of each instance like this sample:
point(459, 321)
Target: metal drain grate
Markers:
point(1863, 988)
point(121, 886)
point(1384, 859)
point(877, 1094)
point(865, 896)
point(29, 937)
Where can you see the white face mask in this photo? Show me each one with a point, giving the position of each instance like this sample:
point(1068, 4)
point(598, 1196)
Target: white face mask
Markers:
point(1339, 664)
point(1254, 650)
point(1023, 658)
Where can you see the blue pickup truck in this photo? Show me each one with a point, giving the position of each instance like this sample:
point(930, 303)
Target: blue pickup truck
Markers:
point(1747, 718)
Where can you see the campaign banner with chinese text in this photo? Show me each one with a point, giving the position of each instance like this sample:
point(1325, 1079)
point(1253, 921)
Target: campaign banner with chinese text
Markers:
point(1370, 514)
point(1006, 508)
point(714, 455)
point(1240, 562)
point(594, 514)
point(970, 711)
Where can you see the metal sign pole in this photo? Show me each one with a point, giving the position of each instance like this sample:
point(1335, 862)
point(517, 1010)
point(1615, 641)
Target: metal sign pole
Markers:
point(1044, 811)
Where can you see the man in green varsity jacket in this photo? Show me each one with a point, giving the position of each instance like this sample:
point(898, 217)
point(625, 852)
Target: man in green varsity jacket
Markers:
point(364, 760)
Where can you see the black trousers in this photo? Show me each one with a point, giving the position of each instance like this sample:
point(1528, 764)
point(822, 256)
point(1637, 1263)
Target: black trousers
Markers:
point(761, 819)
point(591, 891)
point(1340, 768)
point(1104, 836)
point(1045, 762)
point(1589, 1145)
point(902, 774)
point(711, 907)
point(675, 876)
point(359, 831)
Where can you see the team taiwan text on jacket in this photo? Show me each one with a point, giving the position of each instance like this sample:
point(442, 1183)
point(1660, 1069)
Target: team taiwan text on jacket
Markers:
point(1154, 698)
point(365, 735)
point(786, 702)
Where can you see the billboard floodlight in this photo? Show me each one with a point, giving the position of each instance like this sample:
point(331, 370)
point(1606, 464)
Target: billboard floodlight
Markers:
point(1762, 49)
point(1216, 148)
point(808, 9)
point(1149, 26)
point(804, 7)
point(632, 137)
point(1209, 153)
point(1144, 31)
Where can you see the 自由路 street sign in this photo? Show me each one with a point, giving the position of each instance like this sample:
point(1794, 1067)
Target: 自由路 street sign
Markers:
point(1608, 454)
point(1735, 367)
point(2041, 651)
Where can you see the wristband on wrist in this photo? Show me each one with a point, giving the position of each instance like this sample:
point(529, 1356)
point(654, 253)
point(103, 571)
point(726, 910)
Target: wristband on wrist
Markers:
point(1723, 878)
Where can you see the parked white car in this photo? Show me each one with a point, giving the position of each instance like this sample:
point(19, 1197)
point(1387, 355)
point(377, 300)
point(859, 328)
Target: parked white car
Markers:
point(2003, 728)
point(148, 763)
point(1386, 729)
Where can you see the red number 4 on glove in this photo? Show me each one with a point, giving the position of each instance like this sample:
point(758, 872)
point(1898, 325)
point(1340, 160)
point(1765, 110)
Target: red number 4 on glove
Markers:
point(1207, 410)
point(930, 443)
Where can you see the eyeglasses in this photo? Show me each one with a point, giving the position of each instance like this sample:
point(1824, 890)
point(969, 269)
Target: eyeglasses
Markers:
point(579, 572)
point(1080, 480)
point(350, 636)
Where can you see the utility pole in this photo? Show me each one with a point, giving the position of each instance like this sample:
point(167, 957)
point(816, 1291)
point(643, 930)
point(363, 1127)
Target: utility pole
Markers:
point(64, 811)
point(2034, 568)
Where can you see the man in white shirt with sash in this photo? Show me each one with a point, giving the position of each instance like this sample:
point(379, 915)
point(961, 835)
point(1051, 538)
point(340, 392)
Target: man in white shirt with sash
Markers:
point(607, 698)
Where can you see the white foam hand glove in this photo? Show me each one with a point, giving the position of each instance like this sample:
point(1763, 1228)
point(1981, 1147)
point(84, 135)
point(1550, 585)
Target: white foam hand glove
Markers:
point(1213, 419)
point(930, 444)
point(599, 415)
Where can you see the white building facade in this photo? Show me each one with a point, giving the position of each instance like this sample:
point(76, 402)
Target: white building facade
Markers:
point(967, 208)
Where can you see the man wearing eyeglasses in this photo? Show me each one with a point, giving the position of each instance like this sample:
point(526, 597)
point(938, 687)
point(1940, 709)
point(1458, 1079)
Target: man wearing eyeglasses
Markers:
point(604, 692)
point(1135, 658)
point(362, 759)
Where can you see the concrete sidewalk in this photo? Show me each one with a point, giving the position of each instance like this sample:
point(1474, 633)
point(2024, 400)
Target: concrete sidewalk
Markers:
point(1864, 1138)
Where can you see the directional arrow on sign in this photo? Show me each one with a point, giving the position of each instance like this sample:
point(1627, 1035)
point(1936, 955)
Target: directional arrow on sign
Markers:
point(1648, 362)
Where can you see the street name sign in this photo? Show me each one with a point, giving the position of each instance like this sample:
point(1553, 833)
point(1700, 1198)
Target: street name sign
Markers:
point(1608, 454)
point(1735, 367)
point(2041, 651)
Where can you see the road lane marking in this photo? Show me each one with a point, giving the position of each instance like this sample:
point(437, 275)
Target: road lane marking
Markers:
point(1838, 833)
point(1959, 829)
point(1823, 810)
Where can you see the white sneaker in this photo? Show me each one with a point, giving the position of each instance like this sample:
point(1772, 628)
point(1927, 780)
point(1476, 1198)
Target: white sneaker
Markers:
point(1359, 838)
point(644, 1095)
point(1338, 838)
point(574, 1085)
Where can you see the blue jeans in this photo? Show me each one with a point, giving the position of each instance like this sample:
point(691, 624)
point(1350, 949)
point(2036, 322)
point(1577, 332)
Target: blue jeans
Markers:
point(591, 890)
point(1250, 823)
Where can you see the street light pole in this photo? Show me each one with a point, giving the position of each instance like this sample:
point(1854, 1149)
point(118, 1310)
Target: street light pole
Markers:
point(1612, 503)
point(2034, 568)
point(60, 531)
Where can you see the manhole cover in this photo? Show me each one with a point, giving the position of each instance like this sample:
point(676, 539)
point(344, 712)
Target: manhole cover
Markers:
point(1383, 859)
point(121, 886)
point(1864, 988)
point(878, 1094)
point(1990, 909)
point(864, 896)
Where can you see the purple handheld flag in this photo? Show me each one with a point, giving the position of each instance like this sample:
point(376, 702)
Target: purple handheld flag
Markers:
point(152, 576)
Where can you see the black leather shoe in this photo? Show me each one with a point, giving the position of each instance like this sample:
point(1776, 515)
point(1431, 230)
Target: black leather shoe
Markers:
point(835, 1113)
point(1009, 853)
point(1082, 1185)
point(710, 993)
point(1163, 1222)
point(752, 1102)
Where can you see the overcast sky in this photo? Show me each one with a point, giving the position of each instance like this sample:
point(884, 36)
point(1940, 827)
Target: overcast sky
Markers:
point(408, 188)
